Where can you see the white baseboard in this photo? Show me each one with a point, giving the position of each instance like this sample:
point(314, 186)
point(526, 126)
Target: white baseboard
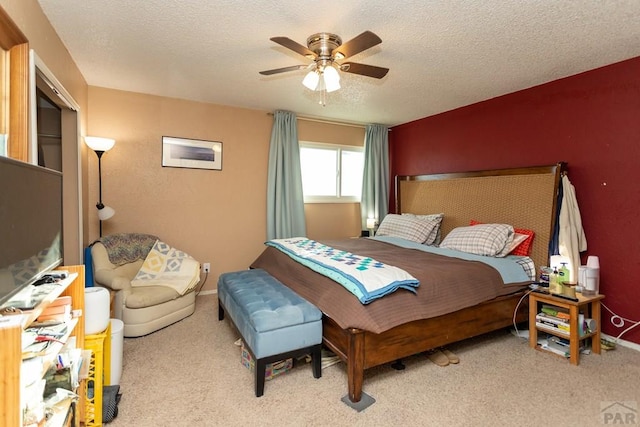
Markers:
point(212, 292)
point(621, 342)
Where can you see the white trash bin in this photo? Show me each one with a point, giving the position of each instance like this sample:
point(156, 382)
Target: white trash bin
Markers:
point(117, 339)
point(96, 310)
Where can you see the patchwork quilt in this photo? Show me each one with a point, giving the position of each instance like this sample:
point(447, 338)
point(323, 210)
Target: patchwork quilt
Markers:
point(167, 266)
point(364, 277)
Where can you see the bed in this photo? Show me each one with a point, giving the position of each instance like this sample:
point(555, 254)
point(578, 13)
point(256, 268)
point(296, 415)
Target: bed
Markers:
point(403, 323)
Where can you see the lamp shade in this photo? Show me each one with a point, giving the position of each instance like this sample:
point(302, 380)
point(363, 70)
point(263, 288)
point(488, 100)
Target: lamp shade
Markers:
point(371, 222)
point(99, 144)
point(105, 213)
point(311, 80)
point(331, 78)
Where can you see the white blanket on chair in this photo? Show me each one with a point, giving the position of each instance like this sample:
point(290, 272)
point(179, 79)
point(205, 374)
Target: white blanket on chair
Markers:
point(167, 266)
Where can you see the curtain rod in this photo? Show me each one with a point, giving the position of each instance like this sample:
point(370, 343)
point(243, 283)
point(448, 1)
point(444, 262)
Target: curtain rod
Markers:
point(329, 122)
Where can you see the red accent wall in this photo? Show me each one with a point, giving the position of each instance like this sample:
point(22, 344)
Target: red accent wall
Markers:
point(590, 120)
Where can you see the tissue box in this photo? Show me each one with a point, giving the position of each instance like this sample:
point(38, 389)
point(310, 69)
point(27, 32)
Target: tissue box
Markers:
point(272, 370)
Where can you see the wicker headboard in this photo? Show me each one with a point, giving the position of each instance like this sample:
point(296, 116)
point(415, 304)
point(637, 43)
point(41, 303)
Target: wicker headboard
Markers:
point(522, 197)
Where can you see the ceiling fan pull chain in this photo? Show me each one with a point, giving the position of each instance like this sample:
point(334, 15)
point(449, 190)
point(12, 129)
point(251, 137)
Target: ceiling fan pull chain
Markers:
point(323, 97)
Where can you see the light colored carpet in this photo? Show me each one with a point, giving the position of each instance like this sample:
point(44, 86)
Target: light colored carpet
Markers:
point(190, 374)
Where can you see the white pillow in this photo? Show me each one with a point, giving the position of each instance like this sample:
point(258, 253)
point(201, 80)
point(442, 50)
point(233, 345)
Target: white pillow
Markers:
point(407, 227)
point(436, 234)
point(489, 239)
point(517, 239)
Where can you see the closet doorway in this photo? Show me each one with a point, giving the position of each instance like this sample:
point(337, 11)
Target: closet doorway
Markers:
point(49, 128)
point(55, 143)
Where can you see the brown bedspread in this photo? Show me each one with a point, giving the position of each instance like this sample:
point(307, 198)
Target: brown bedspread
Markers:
point(446, 285)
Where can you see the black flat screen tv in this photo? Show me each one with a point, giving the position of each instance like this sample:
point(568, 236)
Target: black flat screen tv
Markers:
point(30, 224)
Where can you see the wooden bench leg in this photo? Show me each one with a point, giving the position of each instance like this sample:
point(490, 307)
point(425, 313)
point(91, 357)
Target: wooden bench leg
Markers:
point(316, 360)
point(220, 311)
point(261, 370)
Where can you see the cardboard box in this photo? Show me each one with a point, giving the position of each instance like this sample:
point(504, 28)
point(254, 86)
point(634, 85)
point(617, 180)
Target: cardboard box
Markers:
point(272, 370)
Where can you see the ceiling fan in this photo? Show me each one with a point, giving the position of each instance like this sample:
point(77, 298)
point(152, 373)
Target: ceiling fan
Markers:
point(325, 50)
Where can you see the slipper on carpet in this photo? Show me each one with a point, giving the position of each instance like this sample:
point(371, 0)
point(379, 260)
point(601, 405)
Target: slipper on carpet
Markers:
point(438, 357)
point(451, 356)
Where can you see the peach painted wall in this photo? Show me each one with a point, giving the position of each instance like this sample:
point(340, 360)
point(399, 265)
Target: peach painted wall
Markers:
point(332, 220)
point(215, 216)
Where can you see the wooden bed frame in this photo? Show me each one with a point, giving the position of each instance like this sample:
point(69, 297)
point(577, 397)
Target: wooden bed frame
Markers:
point(523, 197)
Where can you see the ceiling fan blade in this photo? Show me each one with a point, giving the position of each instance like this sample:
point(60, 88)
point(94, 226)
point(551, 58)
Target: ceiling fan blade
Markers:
point(364, 69)
point(283, 70)
point(294, 46)
point(356, 45)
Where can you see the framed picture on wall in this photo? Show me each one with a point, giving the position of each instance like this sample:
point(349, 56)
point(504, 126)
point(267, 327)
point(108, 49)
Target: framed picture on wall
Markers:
point(191, 153)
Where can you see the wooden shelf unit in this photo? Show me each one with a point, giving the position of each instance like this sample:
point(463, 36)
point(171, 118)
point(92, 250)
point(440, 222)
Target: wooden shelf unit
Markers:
point(589, 305)
point(11, 328)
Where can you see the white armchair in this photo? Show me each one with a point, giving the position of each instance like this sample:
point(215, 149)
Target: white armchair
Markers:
point(146, 309)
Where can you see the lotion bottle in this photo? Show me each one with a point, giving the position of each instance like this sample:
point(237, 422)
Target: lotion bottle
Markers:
point(564, 274)
point(554, 282)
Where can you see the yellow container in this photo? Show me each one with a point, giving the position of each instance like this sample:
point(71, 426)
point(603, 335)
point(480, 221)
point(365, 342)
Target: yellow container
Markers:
point(99, 375)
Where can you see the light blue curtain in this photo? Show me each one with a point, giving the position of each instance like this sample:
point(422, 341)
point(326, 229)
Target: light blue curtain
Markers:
point(285, 201)
point(375, 180)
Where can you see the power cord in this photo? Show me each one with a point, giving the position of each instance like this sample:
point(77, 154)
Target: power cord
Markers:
point(202, 284)
point(618, 322)
point(515, 311)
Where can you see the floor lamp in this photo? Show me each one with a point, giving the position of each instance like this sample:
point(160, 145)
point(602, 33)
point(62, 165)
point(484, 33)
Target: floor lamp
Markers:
point(100, 146)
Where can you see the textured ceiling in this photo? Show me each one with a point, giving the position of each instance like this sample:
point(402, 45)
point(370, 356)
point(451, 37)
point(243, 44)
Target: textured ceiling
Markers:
point(442, 54)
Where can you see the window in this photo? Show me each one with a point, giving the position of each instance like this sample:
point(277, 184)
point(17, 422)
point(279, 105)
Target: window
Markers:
point(331, 173)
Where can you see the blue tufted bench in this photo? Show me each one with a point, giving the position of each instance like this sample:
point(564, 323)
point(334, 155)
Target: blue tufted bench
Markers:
point(275, 323)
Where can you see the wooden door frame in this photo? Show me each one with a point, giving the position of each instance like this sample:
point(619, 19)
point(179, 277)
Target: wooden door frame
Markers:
point(16, 46)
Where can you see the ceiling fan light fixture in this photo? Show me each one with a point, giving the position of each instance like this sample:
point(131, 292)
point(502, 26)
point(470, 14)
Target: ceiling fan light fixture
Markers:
point(324, 49)
point(331, 78)
point(311, 80)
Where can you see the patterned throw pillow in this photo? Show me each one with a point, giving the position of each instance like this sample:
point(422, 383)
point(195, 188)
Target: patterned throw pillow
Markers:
point(482, 239)
point(522, 249)
point(435, 236)
point(407, 227)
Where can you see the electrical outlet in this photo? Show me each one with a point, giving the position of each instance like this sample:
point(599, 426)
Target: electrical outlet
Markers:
point(206, 267)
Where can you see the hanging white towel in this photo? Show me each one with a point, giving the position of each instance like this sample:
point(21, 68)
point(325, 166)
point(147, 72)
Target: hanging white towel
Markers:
point(571, 237)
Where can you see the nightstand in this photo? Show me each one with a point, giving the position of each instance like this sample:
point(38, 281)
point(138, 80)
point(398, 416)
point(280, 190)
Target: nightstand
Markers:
point(587, 305)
